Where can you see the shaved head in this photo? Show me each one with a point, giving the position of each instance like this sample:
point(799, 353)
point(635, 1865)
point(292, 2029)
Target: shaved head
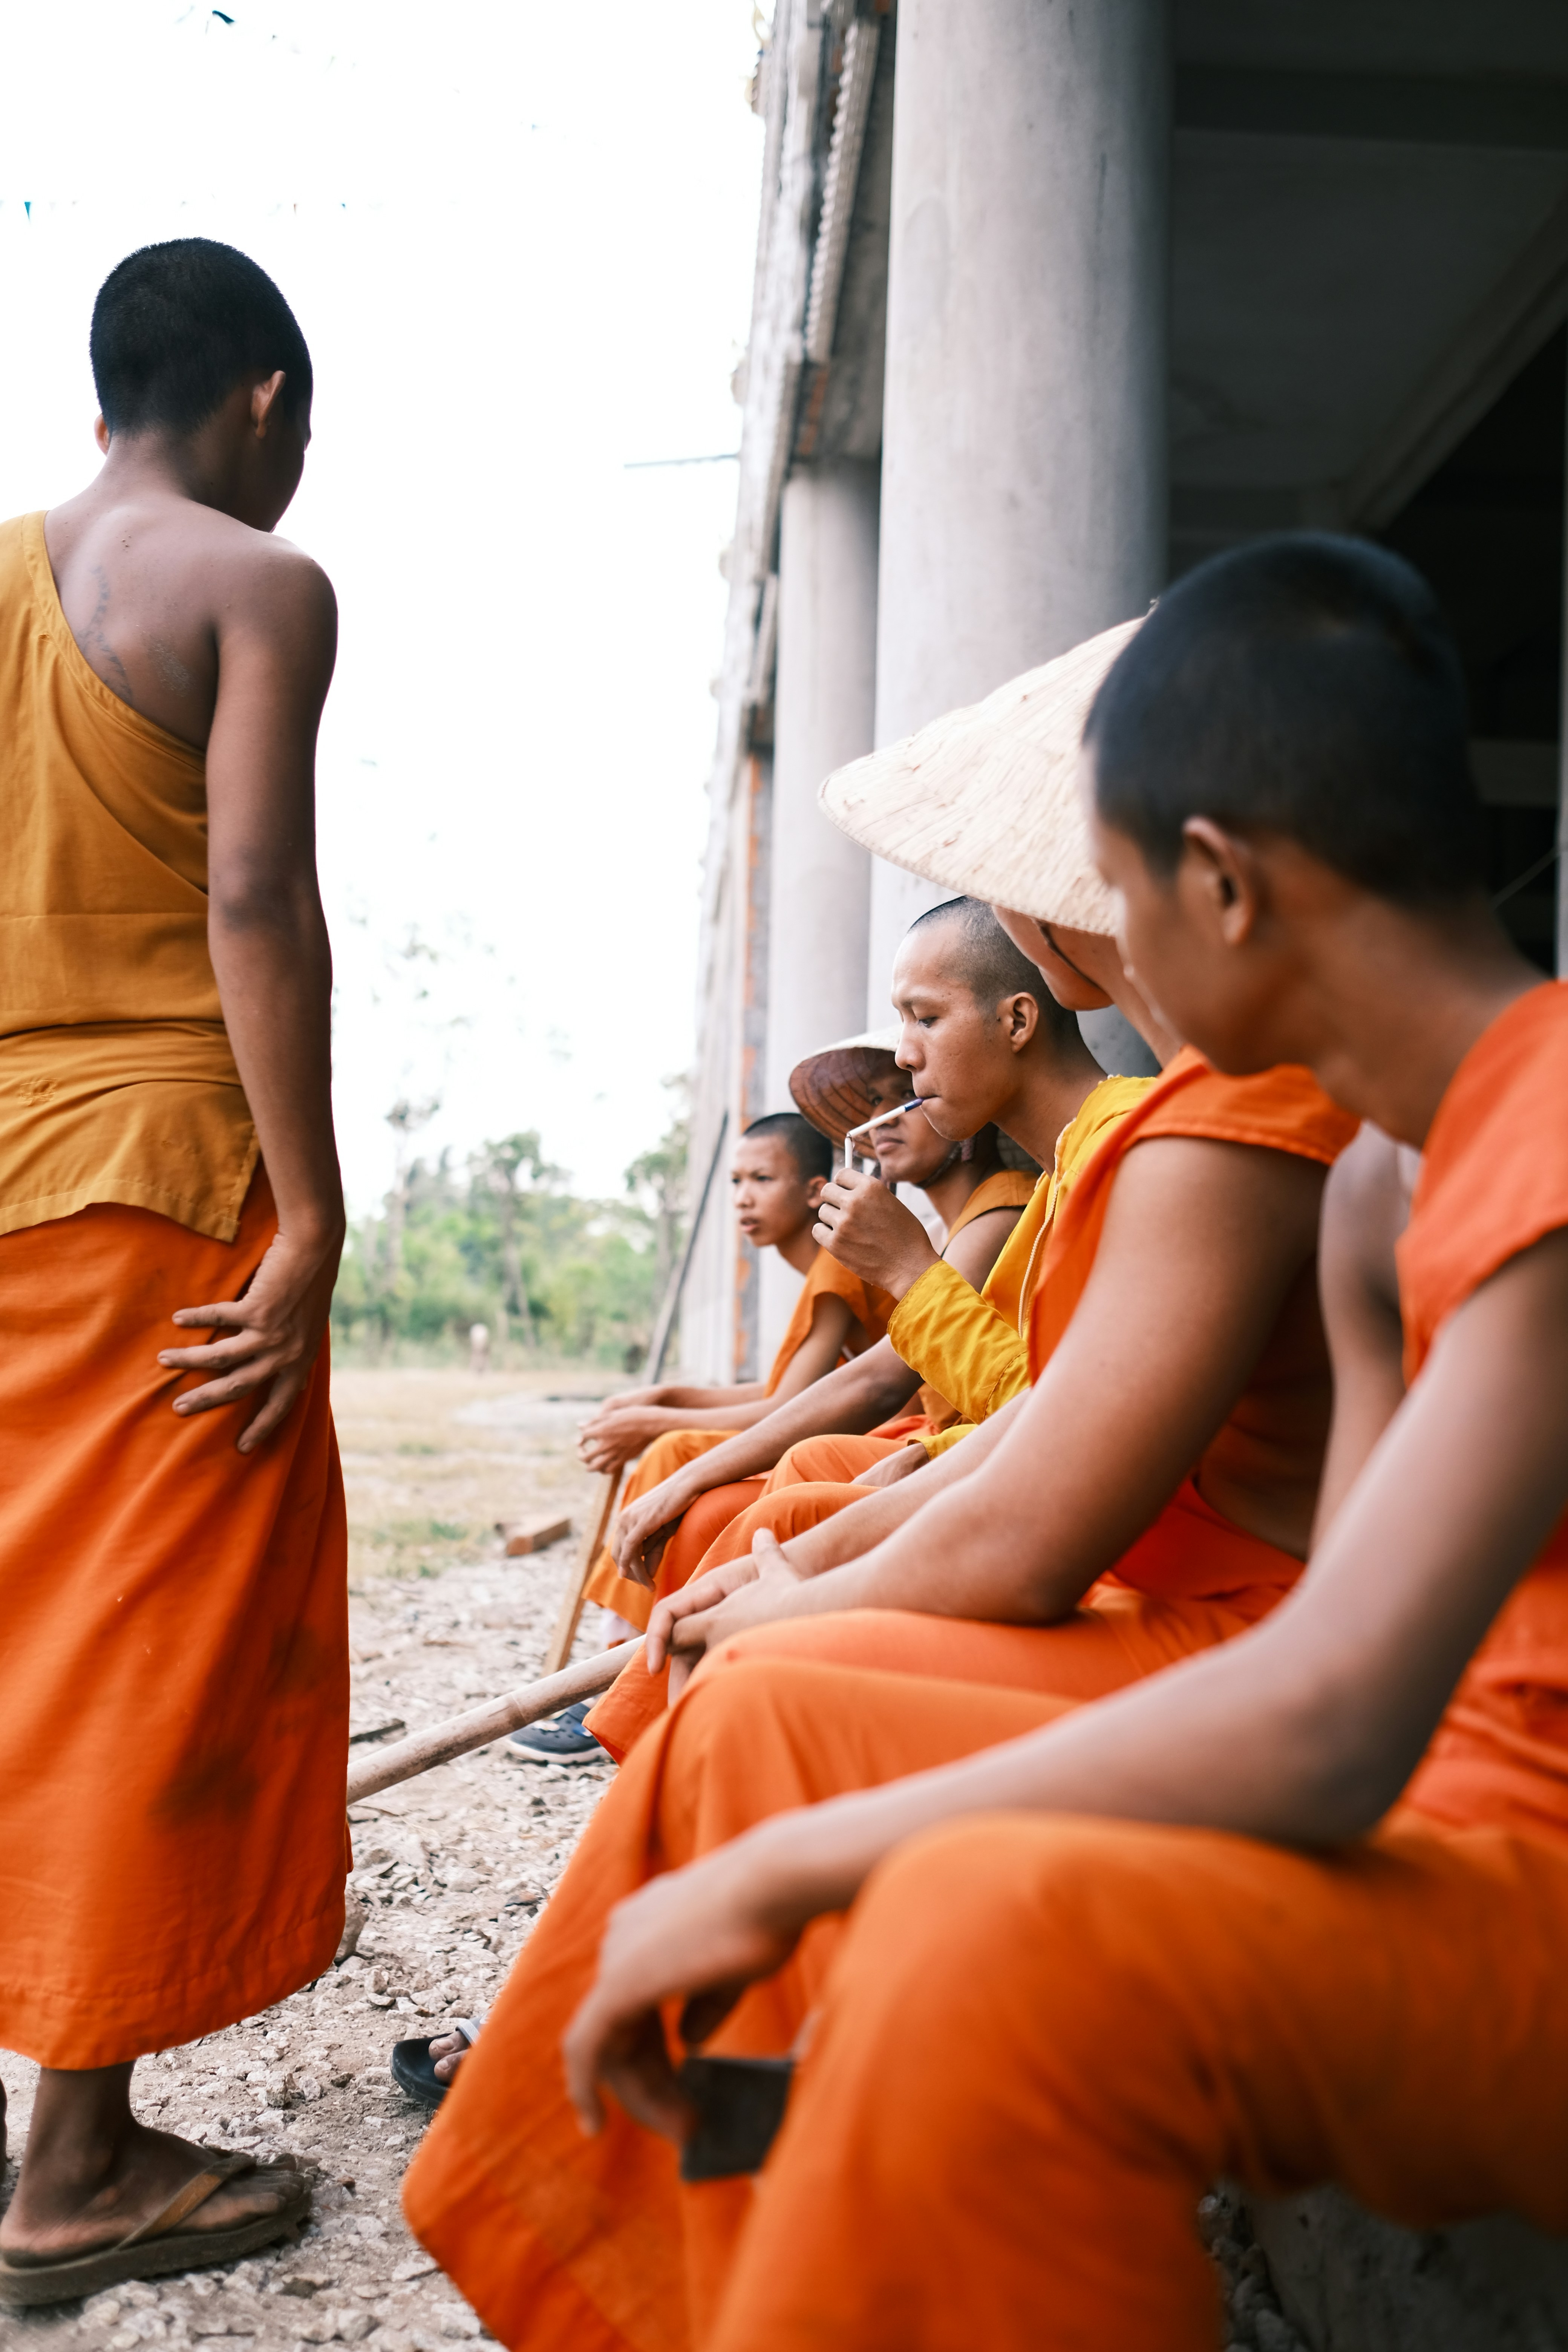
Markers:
point(811, 1151)
point(988, 963)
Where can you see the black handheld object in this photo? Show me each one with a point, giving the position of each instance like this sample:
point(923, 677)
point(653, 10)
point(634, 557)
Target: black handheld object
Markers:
point(740, 2104)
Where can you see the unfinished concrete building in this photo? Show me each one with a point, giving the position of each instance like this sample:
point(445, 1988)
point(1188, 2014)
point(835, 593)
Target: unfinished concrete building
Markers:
point(1050, 302)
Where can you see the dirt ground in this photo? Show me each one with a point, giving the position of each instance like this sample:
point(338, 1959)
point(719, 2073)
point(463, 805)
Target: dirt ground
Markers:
point(453, 1869)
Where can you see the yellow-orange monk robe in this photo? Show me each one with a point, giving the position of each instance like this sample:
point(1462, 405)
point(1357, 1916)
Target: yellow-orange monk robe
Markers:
point(975, 1350)
point(1038, 2041)
point(869, 1310)
point(1194, 1577)
point(175, 1723)
point(968, 1347)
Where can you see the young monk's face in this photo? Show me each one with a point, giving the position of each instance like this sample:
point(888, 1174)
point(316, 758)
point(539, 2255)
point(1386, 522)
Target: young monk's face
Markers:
point(1189, 941)
point(961, 1055)
point(772, 1200)
point(906, 1149)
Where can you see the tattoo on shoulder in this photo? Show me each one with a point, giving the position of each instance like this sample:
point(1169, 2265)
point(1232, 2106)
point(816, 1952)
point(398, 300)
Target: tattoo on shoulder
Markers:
point(102, 655)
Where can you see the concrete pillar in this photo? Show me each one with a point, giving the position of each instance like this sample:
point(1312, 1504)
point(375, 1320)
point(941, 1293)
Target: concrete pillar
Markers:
point(823, 712)
point(1023, 496)
point(823, 705)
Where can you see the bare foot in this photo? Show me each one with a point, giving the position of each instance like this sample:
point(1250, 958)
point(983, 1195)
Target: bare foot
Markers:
point(445, 2049)
point(91, 2173)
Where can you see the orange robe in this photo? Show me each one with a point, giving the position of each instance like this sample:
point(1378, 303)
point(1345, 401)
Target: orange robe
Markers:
point(175, 1712)
point(869, 1308)
point(1038, 2039)
point(1194, 1577)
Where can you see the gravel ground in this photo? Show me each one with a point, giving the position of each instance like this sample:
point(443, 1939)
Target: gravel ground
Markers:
point(453, 1868)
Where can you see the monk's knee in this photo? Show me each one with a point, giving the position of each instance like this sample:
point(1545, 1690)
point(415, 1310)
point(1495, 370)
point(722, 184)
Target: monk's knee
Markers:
point(1056, 1945)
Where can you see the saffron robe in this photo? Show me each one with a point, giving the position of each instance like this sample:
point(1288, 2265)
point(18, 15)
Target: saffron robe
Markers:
point(868, 1309)
point(1230, 2002)
point(927, 1413)
point(1194, 1577)
point(173, 1739)
point(175, 1716)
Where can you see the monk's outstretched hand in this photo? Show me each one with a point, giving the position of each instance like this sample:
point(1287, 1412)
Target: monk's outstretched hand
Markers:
point(704, 1592)
point(761, 1591)
point(614, 1437)
point(707, 1931)
point(644, 1526)
point(271, 1337)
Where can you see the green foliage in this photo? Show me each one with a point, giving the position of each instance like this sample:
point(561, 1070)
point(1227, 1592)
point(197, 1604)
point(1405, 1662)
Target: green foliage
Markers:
point(508, 1246)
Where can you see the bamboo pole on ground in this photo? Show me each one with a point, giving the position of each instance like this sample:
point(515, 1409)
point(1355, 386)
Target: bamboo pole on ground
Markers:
point(461, 1734)
point(572, 1599)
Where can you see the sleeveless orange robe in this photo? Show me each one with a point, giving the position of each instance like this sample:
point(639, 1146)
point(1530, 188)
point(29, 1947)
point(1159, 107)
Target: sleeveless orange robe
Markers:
point(1193, 1579)
point(926, 1413)
point(1039, 2039)
point(175, 1636)
point(869, 1309)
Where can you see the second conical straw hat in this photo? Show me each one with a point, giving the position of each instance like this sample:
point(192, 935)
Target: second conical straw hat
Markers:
point(833, 1087)
point(984, 800)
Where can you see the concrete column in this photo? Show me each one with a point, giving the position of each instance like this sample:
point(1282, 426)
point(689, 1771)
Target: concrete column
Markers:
point(1023, 498)
point(824, 702)
point(823, 712)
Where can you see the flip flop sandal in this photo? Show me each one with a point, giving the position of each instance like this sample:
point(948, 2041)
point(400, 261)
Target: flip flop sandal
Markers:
point(414, 2069)
point(161, 2245)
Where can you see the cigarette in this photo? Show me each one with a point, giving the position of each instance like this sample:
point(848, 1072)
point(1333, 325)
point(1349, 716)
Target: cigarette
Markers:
point(867, 1125)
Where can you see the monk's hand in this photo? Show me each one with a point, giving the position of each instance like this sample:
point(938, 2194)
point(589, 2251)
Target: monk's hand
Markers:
point(708, 1932)
point(270, 1336)
point(756, 1600)
point(894, 1467)
point(613, 1438)
point(704, 1592)
point(868, 1228)
point(642, 1531)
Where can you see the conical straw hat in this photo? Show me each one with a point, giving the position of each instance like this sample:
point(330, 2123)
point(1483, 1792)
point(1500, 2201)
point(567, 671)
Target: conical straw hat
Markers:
point(985, 801)
point(833, 1087)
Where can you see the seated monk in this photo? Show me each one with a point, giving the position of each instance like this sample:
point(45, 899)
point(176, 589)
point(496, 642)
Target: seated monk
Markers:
point(1292, 1911)
point(1176, 1324)
point(979, 1200)
point(776, 1175)
point(1189, 1232)
point(982, 1041)
point(172, 1545)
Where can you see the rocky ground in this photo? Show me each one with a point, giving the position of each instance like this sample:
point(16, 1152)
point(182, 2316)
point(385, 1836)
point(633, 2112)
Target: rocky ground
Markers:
point(452, 1869)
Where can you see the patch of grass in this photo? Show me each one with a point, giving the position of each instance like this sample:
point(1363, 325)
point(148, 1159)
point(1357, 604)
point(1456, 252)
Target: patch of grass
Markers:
point(414, 1445)
point(417, 1547)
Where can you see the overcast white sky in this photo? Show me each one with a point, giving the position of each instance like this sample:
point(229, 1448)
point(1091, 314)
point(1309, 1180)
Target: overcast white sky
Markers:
point(519, 240)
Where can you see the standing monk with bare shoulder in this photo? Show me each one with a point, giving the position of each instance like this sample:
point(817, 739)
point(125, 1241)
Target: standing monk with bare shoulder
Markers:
point(172, 1532)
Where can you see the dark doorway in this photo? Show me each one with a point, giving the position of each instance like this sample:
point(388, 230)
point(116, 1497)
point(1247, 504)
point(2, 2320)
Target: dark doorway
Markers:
point(1488, 531)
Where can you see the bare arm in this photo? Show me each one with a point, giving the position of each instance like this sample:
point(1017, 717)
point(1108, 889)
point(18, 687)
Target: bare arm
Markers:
point(1365, 1204)
point(1203, 1241)
point(1330, 1702)
point(613, 1439)
point(277, 639)
point(845, 1402)
point(849, 1400)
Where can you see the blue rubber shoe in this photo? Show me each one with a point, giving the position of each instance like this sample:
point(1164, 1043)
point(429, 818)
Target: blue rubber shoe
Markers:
point(561, 1741)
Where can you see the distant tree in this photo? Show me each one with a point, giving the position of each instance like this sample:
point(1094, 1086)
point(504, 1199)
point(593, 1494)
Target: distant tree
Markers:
point(663, 1173)
point(498, 1167)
